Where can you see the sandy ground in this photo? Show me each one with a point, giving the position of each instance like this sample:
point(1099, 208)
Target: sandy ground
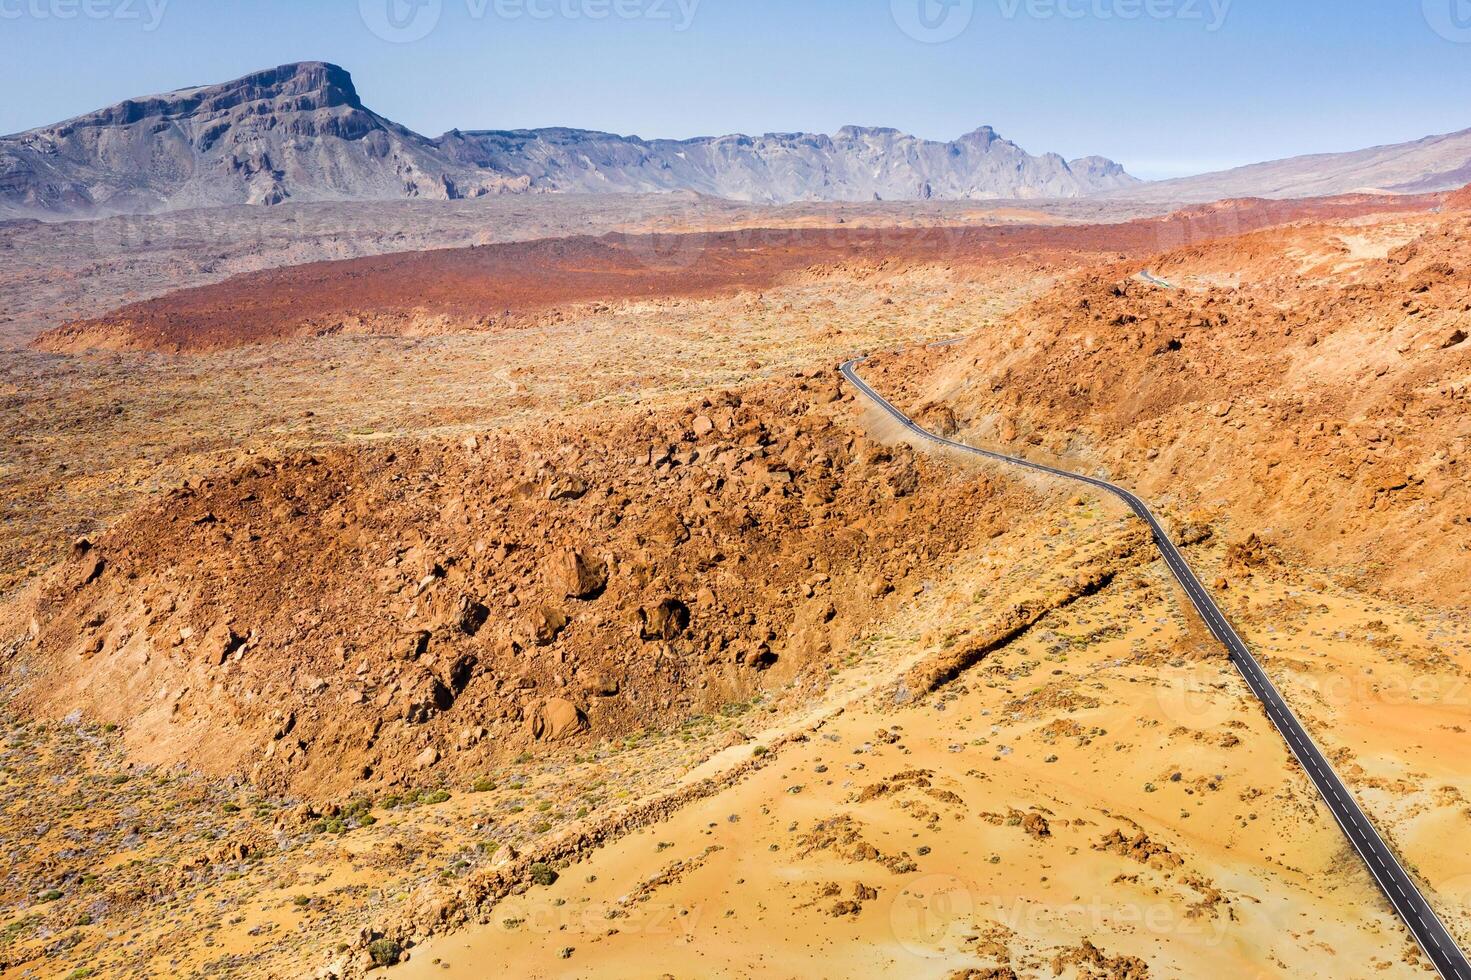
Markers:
point(1085, 722)
point(1103, 719)
point(906, 839)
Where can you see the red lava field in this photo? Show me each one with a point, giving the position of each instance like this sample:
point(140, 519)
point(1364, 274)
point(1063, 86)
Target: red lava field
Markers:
point(476, 287)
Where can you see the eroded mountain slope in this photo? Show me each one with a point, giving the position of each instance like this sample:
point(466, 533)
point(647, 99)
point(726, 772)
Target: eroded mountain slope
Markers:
point(1309, 381)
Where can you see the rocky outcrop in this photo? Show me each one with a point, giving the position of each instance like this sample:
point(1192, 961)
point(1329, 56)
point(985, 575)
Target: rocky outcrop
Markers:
point(422, 612)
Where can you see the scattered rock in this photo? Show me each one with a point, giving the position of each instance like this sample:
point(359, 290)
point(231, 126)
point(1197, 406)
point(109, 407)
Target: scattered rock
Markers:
point(665, 621)
point(577, 576)
point(544, 624)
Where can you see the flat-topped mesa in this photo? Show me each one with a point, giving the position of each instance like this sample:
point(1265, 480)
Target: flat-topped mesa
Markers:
point(301, 87)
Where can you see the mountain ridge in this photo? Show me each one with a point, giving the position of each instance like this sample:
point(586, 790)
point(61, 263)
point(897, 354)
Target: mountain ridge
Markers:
point(301, 132)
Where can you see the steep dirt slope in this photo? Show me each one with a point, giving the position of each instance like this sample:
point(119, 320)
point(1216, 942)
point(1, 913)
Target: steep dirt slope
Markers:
point(1310, 381)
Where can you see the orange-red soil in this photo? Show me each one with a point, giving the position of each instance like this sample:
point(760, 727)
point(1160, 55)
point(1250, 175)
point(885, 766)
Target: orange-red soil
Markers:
point(478, 287)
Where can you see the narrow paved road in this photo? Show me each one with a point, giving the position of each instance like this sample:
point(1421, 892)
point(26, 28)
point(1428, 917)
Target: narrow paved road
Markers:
point(1380, 860)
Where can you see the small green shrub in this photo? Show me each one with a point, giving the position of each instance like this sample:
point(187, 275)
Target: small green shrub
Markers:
point(385, 952)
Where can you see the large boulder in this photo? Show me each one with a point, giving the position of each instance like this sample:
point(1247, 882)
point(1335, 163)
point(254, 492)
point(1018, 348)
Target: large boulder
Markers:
point(556, 719)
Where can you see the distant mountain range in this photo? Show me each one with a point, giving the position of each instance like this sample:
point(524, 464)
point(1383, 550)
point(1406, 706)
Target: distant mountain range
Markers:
point(301, 133)
point(1435, 163)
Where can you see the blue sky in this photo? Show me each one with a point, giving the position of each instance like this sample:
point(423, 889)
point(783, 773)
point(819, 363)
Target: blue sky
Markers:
point(1165, 86)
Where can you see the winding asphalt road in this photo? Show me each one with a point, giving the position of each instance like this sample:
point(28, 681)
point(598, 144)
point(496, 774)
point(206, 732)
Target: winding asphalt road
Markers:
point(1380, 860)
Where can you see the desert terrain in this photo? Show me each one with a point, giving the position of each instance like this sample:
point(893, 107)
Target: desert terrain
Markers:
point(526, 592)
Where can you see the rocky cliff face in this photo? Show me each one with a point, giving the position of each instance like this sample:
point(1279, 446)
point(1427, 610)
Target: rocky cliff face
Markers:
point(854, 164)
point(294, 132)
point(300, 132)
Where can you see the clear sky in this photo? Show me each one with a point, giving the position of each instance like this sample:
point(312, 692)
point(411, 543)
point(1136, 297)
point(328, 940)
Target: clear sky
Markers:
point(1166, 87)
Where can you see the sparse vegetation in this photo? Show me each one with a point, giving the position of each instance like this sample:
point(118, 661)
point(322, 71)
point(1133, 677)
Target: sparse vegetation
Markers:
point(385, 952)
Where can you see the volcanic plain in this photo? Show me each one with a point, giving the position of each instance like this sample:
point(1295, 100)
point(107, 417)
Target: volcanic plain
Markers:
point(502, 597)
